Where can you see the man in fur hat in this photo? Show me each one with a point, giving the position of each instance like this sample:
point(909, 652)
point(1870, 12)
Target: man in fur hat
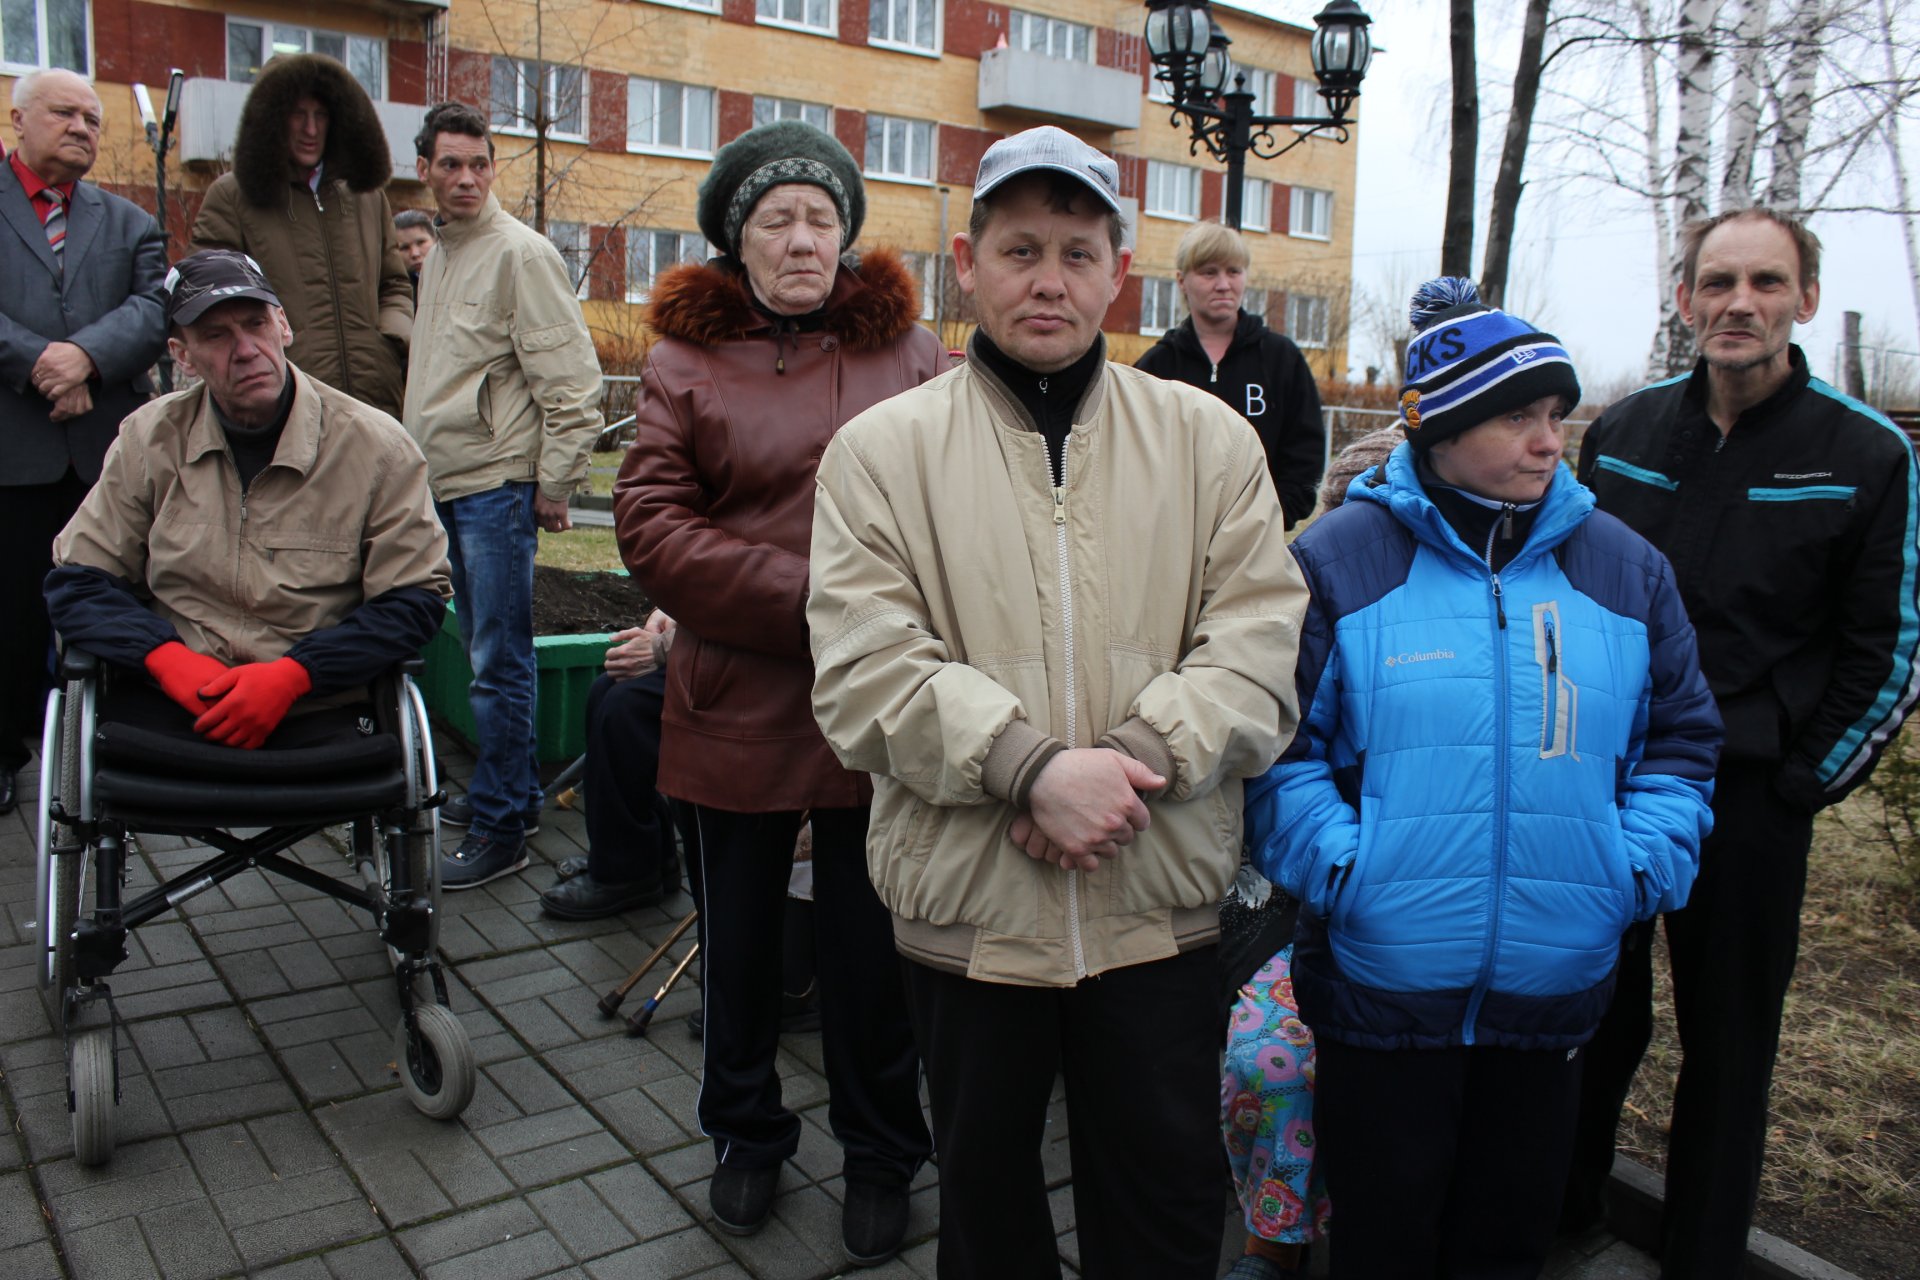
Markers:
point(306, 201)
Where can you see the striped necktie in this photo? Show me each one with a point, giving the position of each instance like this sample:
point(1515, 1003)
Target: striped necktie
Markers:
point(56, 221)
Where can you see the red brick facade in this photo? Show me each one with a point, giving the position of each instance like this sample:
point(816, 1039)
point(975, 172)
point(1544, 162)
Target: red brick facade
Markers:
point(1282, 208)
point(1133, 176)
point(138, 43)
point(736, 114)
point(1124, 315)
point(850, 127)
point(407, 72)
point(1213, 194)
point(853, 22)
point(959, 153)
point(470, 78)
point(607, 111)
point(607, 275)
point(742, 11)
point(973, 27)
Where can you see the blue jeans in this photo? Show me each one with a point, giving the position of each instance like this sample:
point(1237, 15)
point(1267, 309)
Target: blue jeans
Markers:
point(491, 539)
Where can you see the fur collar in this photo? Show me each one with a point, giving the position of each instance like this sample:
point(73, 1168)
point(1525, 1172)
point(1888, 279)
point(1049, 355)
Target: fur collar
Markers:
point(356, 144)
point(873, 302)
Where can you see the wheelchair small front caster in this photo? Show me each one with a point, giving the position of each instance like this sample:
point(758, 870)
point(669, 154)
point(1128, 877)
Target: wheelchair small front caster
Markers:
point(90, 1077)
point(439, 1070)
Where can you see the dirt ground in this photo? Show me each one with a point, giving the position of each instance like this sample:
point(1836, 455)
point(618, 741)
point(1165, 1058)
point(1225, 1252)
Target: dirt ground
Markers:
point(1842, 1178)
point(566, 603)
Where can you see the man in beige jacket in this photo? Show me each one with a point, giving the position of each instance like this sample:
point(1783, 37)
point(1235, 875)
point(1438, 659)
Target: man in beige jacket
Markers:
point(259, 543)
point(1053, 612)
point(503, 394)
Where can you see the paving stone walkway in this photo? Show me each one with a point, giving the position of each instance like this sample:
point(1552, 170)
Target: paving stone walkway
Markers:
point(263, 1131)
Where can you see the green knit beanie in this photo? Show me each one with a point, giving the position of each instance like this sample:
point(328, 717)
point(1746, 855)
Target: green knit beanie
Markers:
point(764, 157)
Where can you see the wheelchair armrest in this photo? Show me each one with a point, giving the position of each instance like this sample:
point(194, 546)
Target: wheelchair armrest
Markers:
point(78, 664)
point(412, 666)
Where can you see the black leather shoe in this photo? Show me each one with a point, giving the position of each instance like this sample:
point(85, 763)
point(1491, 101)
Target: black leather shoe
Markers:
point(872, 1222)
point(7, 798)
point(582, 897)
point(742, 1199)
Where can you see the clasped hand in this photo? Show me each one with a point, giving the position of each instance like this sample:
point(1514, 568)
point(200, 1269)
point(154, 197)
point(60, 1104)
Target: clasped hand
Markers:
point(1085, 806)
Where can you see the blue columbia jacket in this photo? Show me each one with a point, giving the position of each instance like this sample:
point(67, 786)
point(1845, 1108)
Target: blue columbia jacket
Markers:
point(1495, 774)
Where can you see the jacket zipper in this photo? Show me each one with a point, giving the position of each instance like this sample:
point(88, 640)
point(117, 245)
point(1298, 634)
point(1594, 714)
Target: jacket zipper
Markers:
point(1550, 706)
point(1066, 632)
point(1215, 375)
point(333, 285)
point(1499, 785)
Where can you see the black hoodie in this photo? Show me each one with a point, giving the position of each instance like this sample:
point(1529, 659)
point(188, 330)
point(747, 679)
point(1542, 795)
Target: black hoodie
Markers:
point(1263, 376)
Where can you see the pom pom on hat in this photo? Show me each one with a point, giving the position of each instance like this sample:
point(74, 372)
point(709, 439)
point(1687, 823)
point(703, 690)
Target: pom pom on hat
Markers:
point(1442, 294)
point(1470, 363)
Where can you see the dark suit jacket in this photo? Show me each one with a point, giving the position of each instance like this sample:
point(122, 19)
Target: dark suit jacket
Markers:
point(110, 304)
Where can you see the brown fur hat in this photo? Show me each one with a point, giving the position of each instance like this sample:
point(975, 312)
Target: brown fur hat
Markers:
point(356, 144)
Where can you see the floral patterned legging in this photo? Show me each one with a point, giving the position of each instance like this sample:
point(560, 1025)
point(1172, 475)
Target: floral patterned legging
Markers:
point(1266, 1110)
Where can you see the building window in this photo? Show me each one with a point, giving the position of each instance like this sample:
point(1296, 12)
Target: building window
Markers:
point(1162, 305)
point(808, 15)
point(924, 267)
point(519, 86)
point(1308, 320)
point(251, 44)
point(1256, 205)
point(1254, 302)
point(767, 110)
point(45, 33)
point(1307, 100)
point(1173, 190)
point(651, 252)
point(576, 250)
point(899, 149)
point(1311, 214)
point(1054, 37)
point(905, 24)
point(1265, 88)
point(664, 116)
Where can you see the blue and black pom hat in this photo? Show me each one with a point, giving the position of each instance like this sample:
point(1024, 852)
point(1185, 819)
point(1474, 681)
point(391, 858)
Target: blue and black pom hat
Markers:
point(1469, 363)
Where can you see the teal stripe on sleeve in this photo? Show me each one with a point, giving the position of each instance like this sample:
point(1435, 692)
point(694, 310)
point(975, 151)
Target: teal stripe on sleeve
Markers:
point(1896, 697)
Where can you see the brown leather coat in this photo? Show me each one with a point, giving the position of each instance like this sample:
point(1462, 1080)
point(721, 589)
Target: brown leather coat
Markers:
point(714, 507)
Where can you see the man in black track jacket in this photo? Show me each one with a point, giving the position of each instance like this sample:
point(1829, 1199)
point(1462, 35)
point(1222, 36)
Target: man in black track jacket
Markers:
point(1789, 513)
point(1227, 351)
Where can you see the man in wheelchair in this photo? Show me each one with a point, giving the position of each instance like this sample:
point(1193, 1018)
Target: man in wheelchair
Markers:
point(259, 550)
point(258, 544)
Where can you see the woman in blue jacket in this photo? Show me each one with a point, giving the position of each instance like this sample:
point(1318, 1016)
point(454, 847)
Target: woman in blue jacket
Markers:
point(1505, 758)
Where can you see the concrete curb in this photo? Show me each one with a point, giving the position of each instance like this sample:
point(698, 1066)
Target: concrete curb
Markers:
point(1634, 1202)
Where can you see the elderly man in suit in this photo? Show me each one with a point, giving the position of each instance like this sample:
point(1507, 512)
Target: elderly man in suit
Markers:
point(80, 323)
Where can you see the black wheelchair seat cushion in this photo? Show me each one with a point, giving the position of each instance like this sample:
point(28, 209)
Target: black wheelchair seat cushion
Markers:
point(326, 764)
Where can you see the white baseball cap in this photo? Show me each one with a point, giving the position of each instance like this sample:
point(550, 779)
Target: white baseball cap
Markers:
point(1049, 148)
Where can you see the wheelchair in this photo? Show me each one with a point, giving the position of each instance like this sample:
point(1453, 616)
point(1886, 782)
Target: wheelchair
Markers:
point(116, 762)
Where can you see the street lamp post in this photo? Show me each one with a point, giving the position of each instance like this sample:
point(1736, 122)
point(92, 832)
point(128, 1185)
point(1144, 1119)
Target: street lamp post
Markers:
point(1189, 52)
point(160, 138)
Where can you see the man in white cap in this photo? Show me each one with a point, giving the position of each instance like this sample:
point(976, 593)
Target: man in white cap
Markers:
point(1053, 613)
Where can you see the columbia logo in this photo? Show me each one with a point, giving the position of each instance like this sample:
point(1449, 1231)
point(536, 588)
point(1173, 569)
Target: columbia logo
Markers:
point(1407, 659)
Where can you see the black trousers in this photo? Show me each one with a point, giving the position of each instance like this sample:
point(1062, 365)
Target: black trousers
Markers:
point(1733, 949)
point(1443, 1162)
point(873, 1072)
point(1140, 1049)
point(629, 824)
point(31, 517)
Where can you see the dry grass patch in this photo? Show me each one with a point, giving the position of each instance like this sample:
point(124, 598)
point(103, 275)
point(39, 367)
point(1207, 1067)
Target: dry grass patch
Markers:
point(582, 549)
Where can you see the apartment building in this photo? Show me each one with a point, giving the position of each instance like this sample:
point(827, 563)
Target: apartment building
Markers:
point(606, 113)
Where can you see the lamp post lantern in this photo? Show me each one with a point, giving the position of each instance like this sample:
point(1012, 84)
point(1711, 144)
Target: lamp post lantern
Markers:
point(1189, 52)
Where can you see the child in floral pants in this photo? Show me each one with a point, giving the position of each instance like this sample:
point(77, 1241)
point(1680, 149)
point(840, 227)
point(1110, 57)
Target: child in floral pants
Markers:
point(1266, 1113)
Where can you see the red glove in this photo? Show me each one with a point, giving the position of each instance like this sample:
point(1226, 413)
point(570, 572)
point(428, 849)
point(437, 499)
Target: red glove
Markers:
point(250, 701)
point(181, 674)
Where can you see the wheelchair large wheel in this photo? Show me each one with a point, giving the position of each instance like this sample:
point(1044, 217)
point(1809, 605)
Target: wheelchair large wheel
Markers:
point(439, 1071)
point(63, 906)
point(90, 1076)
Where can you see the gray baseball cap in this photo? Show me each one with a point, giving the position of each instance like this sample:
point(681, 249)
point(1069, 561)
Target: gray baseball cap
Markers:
point(1046, 147)
point(210, 277)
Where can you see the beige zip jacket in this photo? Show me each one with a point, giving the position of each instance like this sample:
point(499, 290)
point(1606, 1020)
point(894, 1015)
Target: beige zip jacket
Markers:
point(504, 383)
point(965, 616)
point(342, 516)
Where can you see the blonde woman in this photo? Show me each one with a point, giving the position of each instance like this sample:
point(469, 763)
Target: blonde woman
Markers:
point(1224, 349)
